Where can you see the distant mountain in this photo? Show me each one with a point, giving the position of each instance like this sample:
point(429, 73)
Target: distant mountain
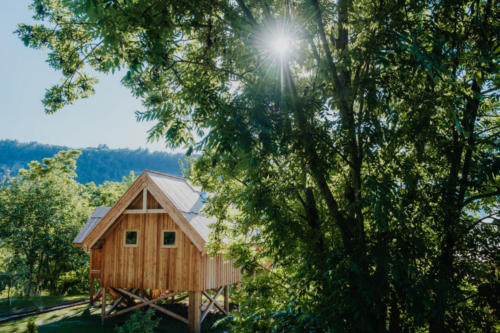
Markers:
point(95, 164)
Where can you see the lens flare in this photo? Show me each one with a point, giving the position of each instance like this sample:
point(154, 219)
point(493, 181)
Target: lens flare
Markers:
point(280, 44)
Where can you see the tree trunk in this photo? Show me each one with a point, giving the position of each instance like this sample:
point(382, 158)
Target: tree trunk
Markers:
point(30, 277)
point(453, 203)
point(37, 279)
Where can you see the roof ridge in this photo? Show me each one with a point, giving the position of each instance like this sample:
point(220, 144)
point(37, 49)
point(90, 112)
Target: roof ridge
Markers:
point(164, 174)
point(175, 177)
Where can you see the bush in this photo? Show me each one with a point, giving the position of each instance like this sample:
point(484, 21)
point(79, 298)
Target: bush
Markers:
point(139, 322)
point(31, 327)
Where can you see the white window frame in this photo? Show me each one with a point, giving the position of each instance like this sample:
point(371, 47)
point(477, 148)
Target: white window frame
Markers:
point(163, 239)
point(125, 238)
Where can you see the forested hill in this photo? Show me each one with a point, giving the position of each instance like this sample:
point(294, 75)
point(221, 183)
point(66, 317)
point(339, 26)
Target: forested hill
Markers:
point(95, 164)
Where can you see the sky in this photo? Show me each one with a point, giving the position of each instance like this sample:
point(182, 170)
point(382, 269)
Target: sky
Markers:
point(104, 118)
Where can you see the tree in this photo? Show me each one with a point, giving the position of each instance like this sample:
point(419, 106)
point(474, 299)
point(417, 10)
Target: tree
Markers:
point(41, 211)
point(353, 144)
point(108, 193)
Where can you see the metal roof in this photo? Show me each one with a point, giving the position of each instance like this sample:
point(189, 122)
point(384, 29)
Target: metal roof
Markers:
point(188, 199)
point(182, 194)
point(93, 220)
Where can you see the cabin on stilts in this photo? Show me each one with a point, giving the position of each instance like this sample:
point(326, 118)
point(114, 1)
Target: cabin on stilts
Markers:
point(150, 246)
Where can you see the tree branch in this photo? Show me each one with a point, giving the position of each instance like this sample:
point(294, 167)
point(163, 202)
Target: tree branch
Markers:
point(480, 196)
point(324, 42)
point(247, 12)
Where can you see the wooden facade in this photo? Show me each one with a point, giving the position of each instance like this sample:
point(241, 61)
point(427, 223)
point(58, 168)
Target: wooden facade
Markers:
point(148, 210)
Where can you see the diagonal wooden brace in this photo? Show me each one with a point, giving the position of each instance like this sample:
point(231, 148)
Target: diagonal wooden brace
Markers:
point(136, 306)
point(212, 303)
point(150, 303)
point(114, 305)
point(212, 300)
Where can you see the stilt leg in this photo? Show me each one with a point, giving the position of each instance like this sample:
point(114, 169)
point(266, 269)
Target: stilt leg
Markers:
point(226, 299)
point(91, 293)
point(194, 311)
point(103, 305)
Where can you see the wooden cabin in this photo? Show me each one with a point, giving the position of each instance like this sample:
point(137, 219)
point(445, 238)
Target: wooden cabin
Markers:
point(150, 246)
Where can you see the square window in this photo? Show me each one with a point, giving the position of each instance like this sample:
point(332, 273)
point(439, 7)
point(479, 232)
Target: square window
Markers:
point(130, 238)
point(168, 239)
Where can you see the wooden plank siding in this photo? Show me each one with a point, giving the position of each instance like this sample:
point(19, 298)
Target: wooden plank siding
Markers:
point(150, 266)
point(137, 202)
point(217, 272)
point(95, 263)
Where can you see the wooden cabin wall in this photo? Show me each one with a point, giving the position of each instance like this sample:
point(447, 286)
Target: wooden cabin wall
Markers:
point(216, 272)
point(149, 266)
point(95, 263)
point(152, 203)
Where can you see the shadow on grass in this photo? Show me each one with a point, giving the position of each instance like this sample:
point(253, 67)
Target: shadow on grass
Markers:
point(22, 304)
point(83, 319)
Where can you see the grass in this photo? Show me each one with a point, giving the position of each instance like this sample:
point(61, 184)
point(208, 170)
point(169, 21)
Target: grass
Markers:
point(81, 319)
point(21, 304)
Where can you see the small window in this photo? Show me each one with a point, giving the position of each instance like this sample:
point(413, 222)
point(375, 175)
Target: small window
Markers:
point(131, 238)
point(168, 238)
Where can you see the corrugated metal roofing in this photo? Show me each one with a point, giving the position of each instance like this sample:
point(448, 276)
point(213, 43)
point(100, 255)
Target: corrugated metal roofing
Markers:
point(93, 220)
point(200, 223)
point(182, 194)
point(188, 200)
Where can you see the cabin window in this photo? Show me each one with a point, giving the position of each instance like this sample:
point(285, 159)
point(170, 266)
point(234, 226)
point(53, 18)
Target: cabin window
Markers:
point(131, 238)
point(168, 238)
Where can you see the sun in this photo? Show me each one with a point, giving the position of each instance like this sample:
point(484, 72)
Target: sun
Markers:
point(277, 43)
point(281, 44)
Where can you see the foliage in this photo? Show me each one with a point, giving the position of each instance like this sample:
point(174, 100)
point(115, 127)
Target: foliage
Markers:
point(139, 322)
point(94, 165)
point(108, 192)
point(31, 326)
point(41, 211)
point(357, 169)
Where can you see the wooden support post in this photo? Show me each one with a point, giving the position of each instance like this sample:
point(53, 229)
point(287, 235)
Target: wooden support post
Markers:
point(144, 200)
point(226, 299)
point(99, 293)
point(103, 305)
point(91, 293)
point(194, 311)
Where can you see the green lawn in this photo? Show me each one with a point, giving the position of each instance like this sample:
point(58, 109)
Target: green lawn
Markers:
point(21, 304)
point(80, 319)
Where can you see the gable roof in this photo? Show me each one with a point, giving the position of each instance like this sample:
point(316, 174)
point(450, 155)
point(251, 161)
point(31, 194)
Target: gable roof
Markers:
point(176, 195)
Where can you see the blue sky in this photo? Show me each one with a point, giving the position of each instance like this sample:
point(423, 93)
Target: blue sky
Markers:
point(105, 118)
